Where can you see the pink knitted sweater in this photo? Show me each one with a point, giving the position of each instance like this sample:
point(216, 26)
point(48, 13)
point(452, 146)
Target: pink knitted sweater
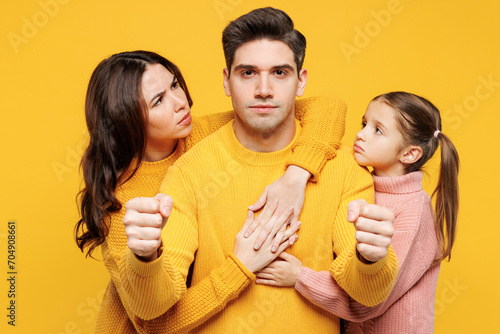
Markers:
point(410, 306)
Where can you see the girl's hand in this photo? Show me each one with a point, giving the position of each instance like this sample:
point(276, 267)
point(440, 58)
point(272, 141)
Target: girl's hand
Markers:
point(255, 260)
point(286, 193)
point(280, 273)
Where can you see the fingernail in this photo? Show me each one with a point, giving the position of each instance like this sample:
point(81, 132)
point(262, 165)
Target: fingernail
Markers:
point(246, 235)
point(256, 245)
point(290, 209)
point(250, 207)
point(273, 249)
point(299, 223)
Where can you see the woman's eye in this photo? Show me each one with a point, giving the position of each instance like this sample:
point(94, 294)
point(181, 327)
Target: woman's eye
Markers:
point(363, 124)
point(378, 131)
point(159, 101)
point(175, 84)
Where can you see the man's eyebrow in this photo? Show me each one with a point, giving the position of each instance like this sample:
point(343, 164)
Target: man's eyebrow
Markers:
point(244, 67)
point(284, 67)
point(276, 67)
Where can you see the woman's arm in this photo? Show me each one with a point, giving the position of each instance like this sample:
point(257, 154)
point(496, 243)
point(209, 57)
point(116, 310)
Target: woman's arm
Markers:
point(323, 123)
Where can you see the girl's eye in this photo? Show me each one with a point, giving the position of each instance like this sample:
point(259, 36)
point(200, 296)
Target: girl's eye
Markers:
point(363, 124)
point(378, 131)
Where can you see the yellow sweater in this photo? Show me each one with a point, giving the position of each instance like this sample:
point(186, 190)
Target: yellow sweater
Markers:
point(123, 309)
point(212, 185)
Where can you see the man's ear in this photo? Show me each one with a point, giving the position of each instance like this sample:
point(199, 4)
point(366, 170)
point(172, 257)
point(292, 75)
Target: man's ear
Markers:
point(302, 82)
point(411, 154)
point(227, 90)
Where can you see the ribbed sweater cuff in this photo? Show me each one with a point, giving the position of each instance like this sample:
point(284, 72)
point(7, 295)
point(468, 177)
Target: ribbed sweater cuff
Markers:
point(309, 276)
point(233, 272)
point(145, 269)
point(370, 268)
point(312, 160)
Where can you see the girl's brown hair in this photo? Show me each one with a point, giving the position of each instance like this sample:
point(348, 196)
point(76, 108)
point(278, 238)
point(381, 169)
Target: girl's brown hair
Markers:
point(418, 120)
point(116, 117)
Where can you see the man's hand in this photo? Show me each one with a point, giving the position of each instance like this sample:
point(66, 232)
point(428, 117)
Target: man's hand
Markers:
point(144, 219)
point(286, 194)
point(374, 229)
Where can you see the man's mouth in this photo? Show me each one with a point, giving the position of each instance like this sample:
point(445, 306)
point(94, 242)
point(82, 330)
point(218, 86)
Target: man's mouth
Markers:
point(263, 108)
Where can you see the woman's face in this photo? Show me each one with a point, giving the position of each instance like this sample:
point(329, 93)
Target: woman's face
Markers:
point(169, 116)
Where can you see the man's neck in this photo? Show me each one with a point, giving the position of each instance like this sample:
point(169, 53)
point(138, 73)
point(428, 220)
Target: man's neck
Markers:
point(265, 141)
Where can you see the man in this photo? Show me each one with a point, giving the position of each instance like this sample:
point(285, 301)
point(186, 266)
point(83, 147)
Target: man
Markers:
point(213, 184)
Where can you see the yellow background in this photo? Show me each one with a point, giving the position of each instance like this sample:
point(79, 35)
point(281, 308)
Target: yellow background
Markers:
point(447, 51)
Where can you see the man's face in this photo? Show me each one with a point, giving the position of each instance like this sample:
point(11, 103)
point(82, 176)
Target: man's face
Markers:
point(263, 85)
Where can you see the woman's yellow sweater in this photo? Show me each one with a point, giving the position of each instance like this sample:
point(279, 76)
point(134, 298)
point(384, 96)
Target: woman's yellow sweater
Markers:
point(323, 122)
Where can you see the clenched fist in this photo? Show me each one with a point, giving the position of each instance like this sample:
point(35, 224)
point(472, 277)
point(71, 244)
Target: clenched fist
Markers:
point(144, 219)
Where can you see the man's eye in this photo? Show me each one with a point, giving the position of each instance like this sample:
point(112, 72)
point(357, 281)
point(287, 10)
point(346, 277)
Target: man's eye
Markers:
point(247, 73)
point(280, 72)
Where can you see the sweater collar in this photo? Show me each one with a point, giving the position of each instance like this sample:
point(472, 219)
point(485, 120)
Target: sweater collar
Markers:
point(155, 167)
point(405, 184)
point(244, 155)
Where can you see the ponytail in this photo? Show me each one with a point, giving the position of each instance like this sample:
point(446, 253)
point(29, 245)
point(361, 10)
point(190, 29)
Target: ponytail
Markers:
point(447, 198)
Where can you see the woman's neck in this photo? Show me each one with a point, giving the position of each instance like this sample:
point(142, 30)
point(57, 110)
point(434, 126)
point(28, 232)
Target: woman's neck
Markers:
point(159, 151)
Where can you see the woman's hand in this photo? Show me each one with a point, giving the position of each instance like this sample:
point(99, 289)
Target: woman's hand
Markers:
point(144, 219)
point(255, 260)
point(285, 194)
point(280, 272)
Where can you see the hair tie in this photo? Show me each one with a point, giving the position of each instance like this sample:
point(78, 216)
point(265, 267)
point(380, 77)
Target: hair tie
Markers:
point(436, 133)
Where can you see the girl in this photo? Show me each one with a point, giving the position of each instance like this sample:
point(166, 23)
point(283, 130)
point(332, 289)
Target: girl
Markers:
point(400, 133)
point(138, 117)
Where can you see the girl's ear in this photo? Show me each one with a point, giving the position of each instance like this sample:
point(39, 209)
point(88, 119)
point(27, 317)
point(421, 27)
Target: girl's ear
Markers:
point(411, 154)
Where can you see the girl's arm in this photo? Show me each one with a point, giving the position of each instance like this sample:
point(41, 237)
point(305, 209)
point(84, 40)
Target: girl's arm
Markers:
point(415, 247)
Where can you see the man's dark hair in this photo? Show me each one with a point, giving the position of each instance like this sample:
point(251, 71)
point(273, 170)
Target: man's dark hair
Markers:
point(263, 23)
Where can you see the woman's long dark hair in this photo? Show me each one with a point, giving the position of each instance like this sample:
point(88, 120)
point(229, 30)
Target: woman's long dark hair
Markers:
point(418, 121)
point(116, 116)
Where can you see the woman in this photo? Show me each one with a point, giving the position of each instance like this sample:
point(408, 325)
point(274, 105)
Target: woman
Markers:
point(136, 136)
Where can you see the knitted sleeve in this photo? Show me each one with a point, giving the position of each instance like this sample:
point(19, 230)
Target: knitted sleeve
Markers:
point(180, 240)
point(202, 301)
point(323, 124)
point(415, 247)
point(369, 284)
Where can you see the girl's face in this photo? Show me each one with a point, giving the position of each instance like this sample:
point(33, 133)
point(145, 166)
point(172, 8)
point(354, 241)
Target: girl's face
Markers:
point(379, 143)
point(169, 116)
